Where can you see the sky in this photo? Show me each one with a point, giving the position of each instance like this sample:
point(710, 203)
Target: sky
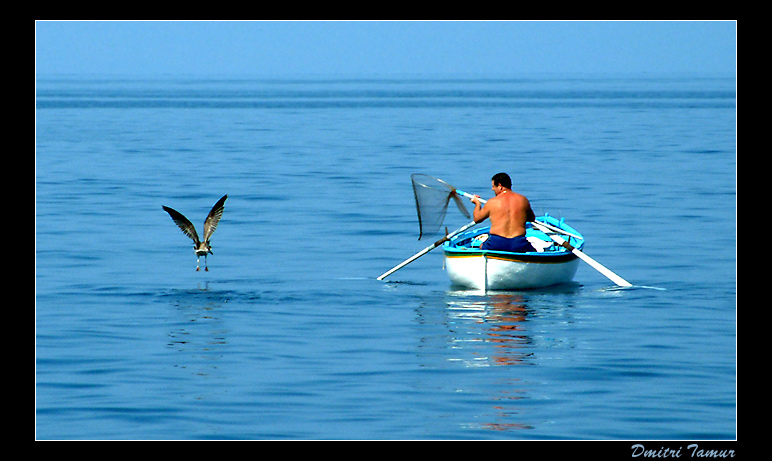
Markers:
point(382, 48)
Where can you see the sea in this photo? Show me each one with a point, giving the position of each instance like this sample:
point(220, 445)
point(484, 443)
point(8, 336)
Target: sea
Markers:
point(290, 336)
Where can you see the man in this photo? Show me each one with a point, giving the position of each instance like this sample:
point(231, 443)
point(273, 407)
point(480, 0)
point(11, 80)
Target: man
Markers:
point(508, 212)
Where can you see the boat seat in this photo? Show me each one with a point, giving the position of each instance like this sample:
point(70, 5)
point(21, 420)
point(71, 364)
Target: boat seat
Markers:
point(538, 244)
point(479, 240)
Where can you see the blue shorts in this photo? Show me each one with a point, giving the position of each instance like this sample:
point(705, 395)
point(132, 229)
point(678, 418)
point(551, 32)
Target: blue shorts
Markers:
point(514, 245)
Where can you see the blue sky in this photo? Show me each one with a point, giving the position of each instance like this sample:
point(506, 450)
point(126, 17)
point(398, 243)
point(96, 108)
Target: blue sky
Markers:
point(387, 49)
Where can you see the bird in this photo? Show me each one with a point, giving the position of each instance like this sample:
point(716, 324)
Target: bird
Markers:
point(201, 247)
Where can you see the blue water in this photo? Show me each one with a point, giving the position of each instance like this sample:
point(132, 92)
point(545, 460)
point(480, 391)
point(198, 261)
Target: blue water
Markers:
point(289, 335)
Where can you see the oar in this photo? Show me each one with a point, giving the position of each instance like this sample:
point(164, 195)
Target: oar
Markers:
point(560, 231)
point(425, 250)
point(559, 240)
point(595, 264)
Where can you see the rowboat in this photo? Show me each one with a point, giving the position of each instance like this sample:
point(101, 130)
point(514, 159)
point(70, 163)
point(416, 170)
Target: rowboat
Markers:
point(469, 266)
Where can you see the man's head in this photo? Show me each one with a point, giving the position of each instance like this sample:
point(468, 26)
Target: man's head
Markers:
point(499, 182)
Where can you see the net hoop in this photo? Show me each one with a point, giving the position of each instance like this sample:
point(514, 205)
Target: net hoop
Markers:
point(432, 197)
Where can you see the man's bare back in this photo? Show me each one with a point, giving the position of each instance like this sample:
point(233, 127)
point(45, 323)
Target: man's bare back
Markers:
point(508, 212)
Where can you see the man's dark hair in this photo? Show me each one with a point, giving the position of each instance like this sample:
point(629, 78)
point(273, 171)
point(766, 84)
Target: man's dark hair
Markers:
point(502, 179)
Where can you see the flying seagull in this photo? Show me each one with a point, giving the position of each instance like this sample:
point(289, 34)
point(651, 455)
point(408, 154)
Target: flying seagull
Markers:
point(202, 248)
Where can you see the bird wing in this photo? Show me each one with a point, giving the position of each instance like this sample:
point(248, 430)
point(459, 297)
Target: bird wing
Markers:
point(210, 224)
point(183, 223)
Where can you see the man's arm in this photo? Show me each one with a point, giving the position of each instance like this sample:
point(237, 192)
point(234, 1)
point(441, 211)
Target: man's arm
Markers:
point(481, 213)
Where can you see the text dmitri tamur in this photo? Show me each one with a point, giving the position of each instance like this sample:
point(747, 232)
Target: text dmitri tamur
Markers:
point(693, 450)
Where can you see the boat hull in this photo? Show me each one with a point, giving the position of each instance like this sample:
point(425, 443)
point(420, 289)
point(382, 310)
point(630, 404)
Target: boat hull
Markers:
point(469, 266)
point(490, 272)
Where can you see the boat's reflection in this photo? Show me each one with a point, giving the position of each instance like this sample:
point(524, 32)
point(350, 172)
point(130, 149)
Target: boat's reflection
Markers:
point(503, 318)
point(500, 321)
point(503, 329)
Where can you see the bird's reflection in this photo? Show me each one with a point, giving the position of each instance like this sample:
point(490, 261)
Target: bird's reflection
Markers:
point(198, 332)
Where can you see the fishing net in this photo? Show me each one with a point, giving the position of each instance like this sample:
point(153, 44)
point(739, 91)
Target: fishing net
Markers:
point(432, 197)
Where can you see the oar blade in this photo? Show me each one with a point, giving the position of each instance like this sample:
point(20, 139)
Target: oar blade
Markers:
point(593, 263)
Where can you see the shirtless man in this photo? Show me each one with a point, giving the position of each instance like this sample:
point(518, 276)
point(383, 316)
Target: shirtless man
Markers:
point(508, 211)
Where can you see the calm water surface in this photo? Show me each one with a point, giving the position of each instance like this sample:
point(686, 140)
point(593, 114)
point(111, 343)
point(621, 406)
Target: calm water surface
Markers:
point(289, 335)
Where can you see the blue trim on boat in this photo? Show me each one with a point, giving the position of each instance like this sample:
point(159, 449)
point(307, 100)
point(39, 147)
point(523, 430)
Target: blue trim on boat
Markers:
point(461, 245)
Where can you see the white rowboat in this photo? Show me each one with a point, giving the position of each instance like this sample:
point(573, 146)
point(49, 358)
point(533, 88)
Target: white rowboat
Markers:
point(471, 267)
